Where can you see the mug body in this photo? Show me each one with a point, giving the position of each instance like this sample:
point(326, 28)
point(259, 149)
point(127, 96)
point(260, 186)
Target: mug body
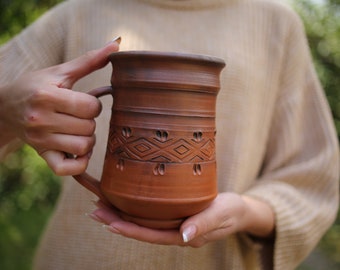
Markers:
point(160, 164)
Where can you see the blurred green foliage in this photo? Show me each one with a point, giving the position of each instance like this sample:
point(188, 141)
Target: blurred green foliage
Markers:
point(29, 190)
point(16, 14)
point(322, 23)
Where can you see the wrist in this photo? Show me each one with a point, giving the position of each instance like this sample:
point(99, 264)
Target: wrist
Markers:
point(259, 218)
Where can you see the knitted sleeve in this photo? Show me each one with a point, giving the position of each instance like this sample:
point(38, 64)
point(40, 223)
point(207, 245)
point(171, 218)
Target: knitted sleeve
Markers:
point(301, 168)
point(38, 46)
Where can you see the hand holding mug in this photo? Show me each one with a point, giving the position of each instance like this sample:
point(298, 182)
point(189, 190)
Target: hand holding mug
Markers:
point(228, 214)
point(40, 109)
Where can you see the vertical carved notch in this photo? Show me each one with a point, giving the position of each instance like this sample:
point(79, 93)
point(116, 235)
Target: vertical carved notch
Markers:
point(159, 169)
point(162, 135)
point(197, 170)
point(126, 131)
point(120, 165)
point(198, 136)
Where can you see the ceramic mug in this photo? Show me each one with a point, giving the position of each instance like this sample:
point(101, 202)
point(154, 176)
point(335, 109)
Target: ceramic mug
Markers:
point(160, 164)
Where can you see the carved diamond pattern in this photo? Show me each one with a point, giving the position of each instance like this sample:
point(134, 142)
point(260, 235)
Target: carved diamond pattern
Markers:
point(115, 142)
point(208, 149)
point(142, 147)
point(170, 150)
point(182, 149)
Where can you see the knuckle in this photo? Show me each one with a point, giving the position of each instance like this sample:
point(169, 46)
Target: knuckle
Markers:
point(94, 107)
point(32, 120)
point(58, 169)
point(39, 96)
point(83, 146)
point(62, 166)
point(80, 167)
point(61, 169)
point(32, 137)
point(91, 127)
point(33, 115)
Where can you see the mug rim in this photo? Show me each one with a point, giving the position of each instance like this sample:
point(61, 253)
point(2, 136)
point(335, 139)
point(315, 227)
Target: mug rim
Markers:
point(167, 54)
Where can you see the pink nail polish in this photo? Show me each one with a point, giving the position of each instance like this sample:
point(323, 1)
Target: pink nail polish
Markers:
point(111, 229)
point(89, 154)
point(94, 217)
point(188, 233)
point(117, 39)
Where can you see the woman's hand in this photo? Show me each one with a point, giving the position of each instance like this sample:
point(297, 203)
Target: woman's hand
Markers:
point(40, 109)
point(228, 214)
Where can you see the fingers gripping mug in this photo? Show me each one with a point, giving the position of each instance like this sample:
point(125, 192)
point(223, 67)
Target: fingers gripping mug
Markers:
point(160, 164)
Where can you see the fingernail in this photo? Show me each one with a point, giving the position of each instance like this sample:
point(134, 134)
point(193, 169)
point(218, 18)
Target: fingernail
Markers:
point(188, 233)
point(89, 154)
point(70, 156)
point(94, 217)
point(101, 204)
point(96, 203)
point(117, 39)
point(111, 229)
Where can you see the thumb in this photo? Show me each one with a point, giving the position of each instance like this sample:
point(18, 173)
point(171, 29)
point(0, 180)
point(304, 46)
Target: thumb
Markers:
point(204, 222)
point(196, 225)
point(83, 65)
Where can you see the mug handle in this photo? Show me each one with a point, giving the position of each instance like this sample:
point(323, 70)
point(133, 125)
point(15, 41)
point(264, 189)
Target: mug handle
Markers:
point(85, 179)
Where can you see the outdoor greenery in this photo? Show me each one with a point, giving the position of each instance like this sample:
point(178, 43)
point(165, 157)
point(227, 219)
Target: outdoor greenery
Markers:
point(322, 25)
point(29, 190)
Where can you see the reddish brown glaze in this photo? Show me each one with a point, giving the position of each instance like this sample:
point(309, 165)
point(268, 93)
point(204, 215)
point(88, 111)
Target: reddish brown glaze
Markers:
point(160, 162)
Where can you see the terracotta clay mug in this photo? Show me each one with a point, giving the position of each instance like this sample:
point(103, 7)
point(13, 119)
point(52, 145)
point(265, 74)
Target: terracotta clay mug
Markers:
point(160, 164)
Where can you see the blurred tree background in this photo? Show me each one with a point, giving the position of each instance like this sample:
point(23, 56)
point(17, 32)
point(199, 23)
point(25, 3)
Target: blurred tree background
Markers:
point(28, 189)
point(322, 23)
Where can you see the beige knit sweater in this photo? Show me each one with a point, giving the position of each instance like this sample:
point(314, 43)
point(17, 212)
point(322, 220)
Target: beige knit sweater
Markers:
point(275, 138)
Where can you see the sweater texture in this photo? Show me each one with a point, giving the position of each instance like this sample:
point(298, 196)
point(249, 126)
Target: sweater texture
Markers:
point(275, 137)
